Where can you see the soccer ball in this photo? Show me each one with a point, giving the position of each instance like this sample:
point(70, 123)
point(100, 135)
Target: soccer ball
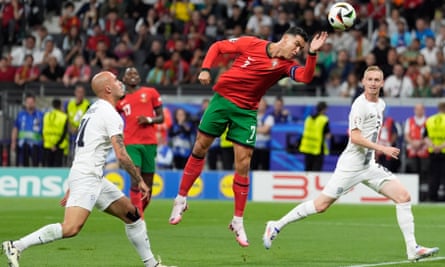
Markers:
point(341, 16)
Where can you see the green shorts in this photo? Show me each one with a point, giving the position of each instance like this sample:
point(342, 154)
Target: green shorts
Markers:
point(143, 156)
point(222, 114)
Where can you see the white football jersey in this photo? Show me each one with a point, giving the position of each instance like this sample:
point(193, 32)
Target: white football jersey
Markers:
point(367, 117)
point(93, 142)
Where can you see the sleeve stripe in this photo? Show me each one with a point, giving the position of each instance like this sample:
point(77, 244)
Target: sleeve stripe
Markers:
point(292, 72)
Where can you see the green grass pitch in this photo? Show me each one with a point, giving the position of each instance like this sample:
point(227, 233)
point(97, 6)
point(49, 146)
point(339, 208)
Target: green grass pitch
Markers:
point(346, 235)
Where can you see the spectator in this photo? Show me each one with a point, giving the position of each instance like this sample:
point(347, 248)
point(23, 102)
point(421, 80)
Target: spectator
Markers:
point(164, 154)
point(114, 5)
point(52, 71)
point(26, 135)
point(327, 56)
point(75, 50)
point(398, 84)
point(349, 87)
point(167, 26)
point(422, 87)
point(381, 50)
point(257, 20)
point(177, 69)
point(7, 72)
point(102, 52)
point(392, 58)
point(68, 18)
point(28, 72)
point(440, 38)
point(88, 14)
point(155, 51)
point(261, 153)
point(279, 112)
point(114, 25)
point(41, 57)
point(434, 137)
point(359, 48)
point(181, 136)
point(342, 66)
point(309, 23)
point(123, 52)
point(143, 38)
point(430, 51)
point(422, 31)
point(136, 9)
point(181, 11)
point(157, 75)
point(77, 72)
point(410, 55)
point(71, 39)
point(281, 24)
point(417, 160)
point(108, 65)
point(236, 18)
point(197, 22)
point(314, 144)
point(181, 46)
point(437, 72)
point(401, 39)
point(11, 15)
point(97, 36)
point(394, 20)
point(55, 135)
point(29, 48)
point(75, 109)
point(42, 36)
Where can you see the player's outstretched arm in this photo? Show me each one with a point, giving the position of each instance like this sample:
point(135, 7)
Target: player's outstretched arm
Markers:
point(125, 162)
point(317, 42)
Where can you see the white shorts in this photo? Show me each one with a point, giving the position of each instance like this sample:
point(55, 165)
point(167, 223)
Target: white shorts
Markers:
point(342, 181)
point(91, 191)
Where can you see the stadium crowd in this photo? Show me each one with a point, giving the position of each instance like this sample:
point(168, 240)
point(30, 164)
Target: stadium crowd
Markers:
point(167, 40)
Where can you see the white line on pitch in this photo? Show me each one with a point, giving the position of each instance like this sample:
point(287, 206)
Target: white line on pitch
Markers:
point(396, 262)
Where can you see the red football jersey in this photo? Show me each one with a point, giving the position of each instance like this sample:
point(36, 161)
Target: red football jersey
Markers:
point(141, 102)
point(253, 72)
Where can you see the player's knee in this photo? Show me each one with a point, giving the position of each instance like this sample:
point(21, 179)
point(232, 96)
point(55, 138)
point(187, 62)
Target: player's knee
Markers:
point(133, 215)
point(403, 197)
point(70, 230)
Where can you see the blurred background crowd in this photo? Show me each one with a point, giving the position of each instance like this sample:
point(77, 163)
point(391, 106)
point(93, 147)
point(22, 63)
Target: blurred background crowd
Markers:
point(63, 41)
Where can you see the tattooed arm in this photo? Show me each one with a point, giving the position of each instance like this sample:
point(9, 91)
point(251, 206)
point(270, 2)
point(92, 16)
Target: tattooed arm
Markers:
point(126, 163)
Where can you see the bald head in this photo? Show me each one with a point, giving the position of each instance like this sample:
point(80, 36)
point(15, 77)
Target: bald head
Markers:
point(99, 82)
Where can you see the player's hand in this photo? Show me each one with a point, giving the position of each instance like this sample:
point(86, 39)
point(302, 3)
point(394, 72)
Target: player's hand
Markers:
point(144, 189)
point(204, 77)
point(64, 199)
point(318, 41)
point(392, 152)
point(143, 120)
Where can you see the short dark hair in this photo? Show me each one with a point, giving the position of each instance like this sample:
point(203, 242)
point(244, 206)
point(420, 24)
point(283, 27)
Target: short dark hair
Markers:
point(57, 103)
point(298, 31)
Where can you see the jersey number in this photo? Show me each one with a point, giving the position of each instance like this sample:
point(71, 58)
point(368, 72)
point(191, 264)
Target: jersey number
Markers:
point(80, 135)
point(127, 109)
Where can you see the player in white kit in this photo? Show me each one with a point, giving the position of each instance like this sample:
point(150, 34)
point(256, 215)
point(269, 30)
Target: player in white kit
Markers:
point(357, 165)
point(100, 130)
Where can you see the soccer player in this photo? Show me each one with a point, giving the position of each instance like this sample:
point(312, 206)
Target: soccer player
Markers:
point(142, 109)
point(99, 131)
point(357, 165)
point(259, 65)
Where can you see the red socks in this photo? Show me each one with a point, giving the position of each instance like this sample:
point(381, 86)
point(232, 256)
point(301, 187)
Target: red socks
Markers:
point(192, 170)
point(135, 197)
point(240, 189)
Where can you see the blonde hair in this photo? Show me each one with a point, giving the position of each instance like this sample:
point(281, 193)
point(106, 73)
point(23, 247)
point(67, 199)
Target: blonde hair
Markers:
point(372, 68)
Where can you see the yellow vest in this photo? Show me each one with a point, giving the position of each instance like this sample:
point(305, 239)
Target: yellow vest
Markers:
point(435, 125)
point(313, 136)
point(53, 127)
point(75, 112)
point(223, 140)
